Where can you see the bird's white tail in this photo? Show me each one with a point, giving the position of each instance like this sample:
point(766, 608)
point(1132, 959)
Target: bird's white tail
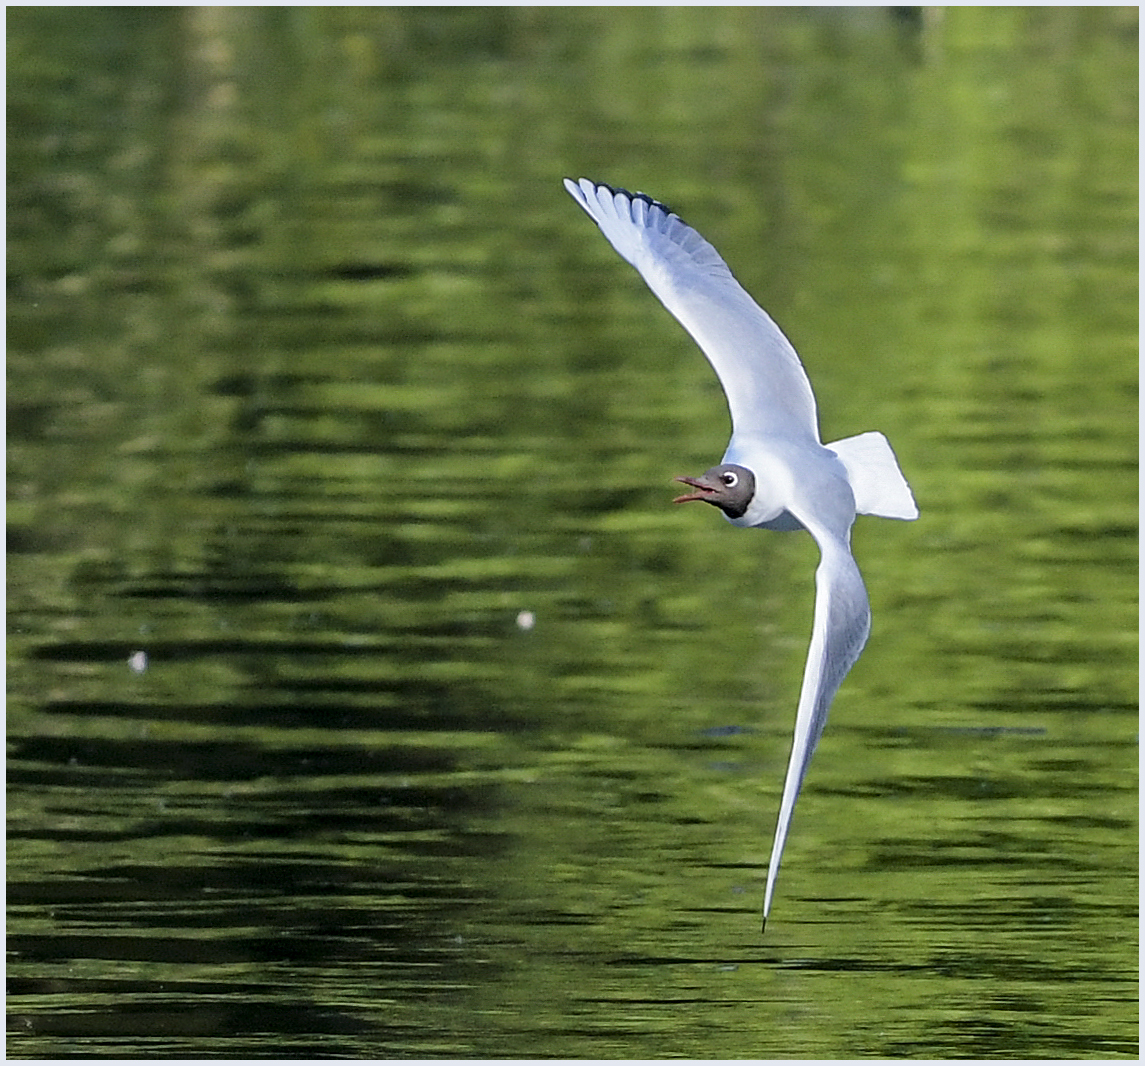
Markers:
point(876, 480)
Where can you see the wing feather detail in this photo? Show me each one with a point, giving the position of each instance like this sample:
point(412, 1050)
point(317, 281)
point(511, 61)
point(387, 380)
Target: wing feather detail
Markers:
point(765, 384)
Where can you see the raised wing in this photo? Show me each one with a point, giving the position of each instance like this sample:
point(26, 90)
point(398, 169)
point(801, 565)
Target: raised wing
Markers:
point(838, 634)
point(765, 384)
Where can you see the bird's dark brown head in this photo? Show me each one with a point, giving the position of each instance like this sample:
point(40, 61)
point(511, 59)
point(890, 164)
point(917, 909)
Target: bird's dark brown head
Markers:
point(728, 487)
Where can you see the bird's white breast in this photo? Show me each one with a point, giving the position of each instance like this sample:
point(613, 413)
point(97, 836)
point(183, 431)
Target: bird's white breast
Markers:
point(788, 475)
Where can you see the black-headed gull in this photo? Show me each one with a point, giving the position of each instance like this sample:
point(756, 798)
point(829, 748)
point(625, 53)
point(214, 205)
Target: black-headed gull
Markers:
point(776, 473)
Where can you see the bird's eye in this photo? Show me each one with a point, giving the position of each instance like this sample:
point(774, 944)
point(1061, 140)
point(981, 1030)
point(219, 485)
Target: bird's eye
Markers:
point(729, 478)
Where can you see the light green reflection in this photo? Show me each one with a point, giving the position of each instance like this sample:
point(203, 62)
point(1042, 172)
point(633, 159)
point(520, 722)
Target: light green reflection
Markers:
point(317, 380)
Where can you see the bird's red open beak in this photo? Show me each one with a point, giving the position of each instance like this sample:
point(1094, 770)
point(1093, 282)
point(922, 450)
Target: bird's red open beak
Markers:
point(703, 489)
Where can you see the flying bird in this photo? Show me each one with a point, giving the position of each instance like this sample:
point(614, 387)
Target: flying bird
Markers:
point(776, 473)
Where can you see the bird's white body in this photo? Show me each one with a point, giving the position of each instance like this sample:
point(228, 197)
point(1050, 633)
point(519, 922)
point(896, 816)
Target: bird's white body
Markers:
point(799, 482)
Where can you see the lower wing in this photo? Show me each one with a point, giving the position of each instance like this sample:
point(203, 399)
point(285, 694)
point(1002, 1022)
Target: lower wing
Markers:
point(842, 622)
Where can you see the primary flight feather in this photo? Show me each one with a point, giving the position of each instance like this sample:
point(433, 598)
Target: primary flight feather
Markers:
point(775, 473)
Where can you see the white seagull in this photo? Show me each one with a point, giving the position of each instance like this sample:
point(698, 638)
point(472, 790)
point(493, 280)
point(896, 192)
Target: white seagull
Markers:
point(776, 473)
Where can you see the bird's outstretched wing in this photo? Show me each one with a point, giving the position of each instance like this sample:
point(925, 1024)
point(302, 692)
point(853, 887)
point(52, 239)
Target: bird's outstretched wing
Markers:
point(765, 384)
point(838, 634)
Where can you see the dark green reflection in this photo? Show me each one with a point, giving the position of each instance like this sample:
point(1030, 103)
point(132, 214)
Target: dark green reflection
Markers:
point(453, 737)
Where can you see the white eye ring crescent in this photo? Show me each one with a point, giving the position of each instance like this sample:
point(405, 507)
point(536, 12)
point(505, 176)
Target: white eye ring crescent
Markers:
point(730, 478)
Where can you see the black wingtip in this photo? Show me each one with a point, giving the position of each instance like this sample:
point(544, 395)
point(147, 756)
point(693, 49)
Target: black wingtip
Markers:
point(652, 201)
point(614, 189)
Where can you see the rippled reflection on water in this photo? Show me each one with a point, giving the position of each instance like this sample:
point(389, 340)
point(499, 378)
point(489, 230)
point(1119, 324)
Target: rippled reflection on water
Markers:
point(369, 699)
